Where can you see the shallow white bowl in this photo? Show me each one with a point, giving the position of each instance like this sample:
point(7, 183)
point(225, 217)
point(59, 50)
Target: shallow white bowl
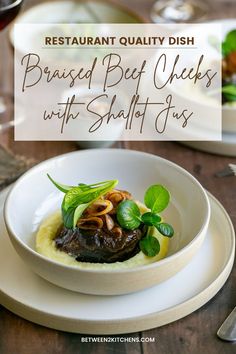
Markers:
point(229, 119)
point(33, 197)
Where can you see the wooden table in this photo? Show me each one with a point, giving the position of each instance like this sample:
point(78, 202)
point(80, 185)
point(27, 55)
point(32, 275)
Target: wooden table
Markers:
point(195, 333)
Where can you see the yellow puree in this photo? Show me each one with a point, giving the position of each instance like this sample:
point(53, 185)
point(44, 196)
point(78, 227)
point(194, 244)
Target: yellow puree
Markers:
point(45, 245)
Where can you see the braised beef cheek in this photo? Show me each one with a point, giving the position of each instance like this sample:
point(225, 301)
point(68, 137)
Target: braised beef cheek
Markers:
point(99, 246)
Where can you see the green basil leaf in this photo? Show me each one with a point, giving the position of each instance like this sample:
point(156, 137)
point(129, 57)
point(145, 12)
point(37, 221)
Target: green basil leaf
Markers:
point(150, 219)
point(62, 187)
point(150, 246)
point(71, 199)
point(78, 212)
point(85, 187)
point(128, 215)
point(157, 198)
point(165, 229)
point(76, 196)
point(68, 217)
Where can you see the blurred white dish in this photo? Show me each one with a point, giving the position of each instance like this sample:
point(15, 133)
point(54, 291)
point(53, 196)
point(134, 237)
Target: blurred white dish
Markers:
point(33, 197)
point(226, 147)
point(228, 111)
point(194, 94)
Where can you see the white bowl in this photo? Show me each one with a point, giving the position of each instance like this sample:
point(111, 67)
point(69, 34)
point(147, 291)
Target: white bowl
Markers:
point(33, 197)
point(229, 119)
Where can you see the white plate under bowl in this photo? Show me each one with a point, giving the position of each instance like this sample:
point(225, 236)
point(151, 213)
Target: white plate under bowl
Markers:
point(34, 299)
point(226, 147)
point(136, 171)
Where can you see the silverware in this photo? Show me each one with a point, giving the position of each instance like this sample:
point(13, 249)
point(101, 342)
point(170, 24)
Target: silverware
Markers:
point(230, 170)
point(227, 331)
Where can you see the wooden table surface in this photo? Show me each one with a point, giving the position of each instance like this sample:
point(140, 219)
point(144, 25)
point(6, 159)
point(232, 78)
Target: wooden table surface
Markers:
point(195, 333)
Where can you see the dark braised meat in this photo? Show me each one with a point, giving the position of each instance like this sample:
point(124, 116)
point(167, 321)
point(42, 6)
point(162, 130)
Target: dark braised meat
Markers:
point(99, 246)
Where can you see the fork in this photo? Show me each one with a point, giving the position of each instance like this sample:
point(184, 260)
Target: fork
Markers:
point(227, 331)
point(230, 170)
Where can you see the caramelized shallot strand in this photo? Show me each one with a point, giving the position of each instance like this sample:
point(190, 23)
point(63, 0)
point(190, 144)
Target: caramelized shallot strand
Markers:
point(90, 223)
point(117, 196)
point(126, 194)
point(109, 222)
point(113, 191)
point(114, 194)
point(93, 210)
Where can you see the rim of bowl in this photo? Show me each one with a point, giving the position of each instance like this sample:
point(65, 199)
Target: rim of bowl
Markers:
point(100, 271)
point(229, 108)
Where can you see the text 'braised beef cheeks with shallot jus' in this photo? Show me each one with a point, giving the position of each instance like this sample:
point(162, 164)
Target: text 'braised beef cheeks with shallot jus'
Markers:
point(102, 224)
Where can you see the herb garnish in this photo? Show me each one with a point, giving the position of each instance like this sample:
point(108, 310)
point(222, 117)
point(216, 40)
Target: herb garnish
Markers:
point(229, 92)
point(129, 217)
point(229, 44)
point(78, 198)
point(228, 49)
point(150, 246)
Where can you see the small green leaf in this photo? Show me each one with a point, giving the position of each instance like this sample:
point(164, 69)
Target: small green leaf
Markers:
point(229, 91)
point(150, 219)
point(78, 198)
point(150, 246)
point(229, 44)
point(78, 212)
point(165, 229)
point(157, 198)
point(81, 195)
point(71, 199)
point(62, 187)
point(68, 217)
point(84, 186)
point(128, 215)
